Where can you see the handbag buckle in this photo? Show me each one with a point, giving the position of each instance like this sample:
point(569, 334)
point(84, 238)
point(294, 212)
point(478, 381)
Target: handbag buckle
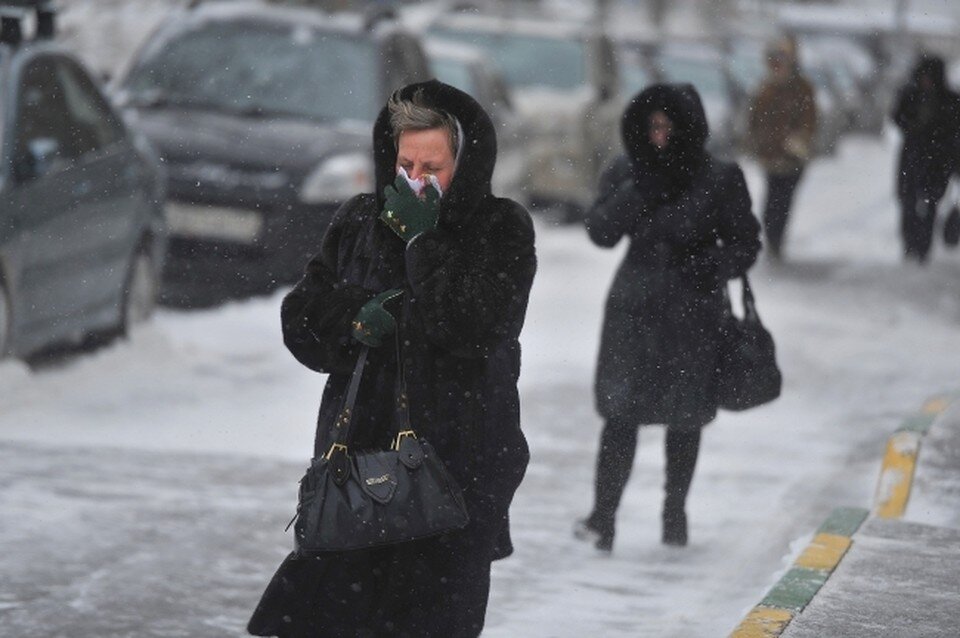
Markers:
point(334, 448)
point(400, 437)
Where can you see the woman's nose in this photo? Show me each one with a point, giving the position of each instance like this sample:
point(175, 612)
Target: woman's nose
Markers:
point(416, 172)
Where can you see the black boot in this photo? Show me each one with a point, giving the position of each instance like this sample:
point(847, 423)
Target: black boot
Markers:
point(618, 446)
point(600, 533)
point(674, 524)
point(682, 448)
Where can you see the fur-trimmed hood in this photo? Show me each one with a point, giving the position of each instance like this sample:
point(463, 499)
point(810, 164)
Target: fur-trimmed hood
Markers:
point(669, 170)
point(681, 103)
point(934, 68)
point(478, 155)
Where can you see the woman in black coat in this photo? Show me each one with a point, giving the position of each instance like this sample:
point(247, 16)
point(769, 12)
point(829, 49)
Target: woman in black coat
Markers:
point(690, 226)
point(463, 270)
point(928, 114)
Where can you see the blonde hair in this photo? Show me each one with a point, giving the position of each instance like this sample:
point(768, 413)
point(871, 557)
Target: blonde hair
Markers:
point(415, 115)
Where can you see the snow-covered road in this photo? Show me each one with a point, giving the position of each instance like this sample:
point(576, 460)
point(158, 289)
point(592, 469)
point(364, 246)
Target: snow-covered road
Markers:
point(144, 488)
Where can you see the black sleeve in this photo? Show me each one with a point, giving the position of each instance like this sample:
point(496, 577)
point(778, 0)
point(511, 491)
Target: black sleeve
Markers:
point(617, 205)
point(903, 111)
point(738, 229)
point(316, 314)
point(470, 289)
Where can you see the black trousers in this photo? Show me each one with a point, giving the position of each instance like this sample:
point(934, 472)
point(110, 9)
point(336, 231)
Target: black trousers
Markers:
point(618, 447)
point(918, 212)
point(780, 190)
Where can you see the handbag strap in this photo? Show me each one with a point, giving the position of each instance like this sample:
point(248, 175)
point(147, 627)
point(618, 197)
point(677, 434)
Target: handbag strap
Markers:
point(344, 420)
point(749, 303)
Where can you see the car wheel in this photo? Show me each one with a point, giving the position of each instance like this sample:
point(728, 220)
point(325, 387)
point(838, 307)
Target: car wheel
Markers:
point(5, 320)
point(140, 295)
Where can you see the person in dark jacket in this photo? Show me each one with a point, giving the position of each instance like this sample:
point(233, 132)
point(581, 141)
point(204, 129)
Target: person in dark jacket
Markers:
point(928, 114)
point(690, 226)
point(450, 270)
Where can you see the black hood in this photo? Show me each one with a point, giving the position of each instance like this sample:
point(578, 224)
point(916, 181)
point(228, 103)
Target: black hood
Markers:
point(932, 67)
point(471, 181)
point(681, 103)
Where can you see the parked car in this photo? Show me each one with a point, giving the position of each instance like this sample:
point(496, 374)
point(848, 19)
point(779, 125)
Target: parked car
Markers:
point(262, 115)
point(82, 231)
point(471, 71)
point(856, 77)
point(565, 84)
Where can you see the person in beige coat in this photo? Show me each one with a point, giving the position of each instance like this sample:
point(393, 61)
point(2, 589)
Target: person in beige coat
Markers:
point(783, 122)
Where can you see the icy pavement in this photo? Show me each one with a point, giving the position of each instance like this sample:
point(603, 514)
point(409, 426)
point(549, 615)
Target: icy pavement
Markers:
point(144, 489)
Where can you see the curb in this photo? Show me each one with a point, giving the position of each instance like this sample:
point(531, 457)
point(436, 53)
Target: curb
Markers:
point(795, 589)
point(900, 459)
point(803, 580)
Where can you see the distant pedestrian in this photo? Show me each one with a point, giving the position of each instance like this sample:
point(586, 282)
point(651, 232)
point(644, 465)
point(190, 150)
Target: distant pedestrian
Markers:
point(688, 219)
point(436, 258)
point(783, 123)
point(928, 114)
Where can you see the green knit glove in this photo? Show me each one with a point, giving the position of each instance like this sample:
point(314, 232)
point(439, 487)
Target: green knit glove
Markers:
point(374, 322)
point(407, 214)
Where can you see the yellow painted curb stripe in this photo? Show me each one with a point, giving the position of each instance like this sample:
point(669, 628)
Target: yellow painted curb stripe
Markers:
point(896, 474)
point(824, 552)
point(763, 622)
point(936, 405)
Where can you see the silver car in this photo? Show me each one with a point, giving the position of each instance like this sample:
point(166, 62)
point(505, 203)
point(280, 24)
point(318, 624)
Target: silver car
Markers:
point(565, 84)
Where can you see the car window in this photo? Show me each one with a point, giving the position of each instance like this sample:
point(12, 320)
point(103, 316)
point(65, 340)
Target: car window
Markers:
point(94, 125)
point(528, 61)
point(704, 75)
point(455, 73)
point(43, 121)
point(253, 68)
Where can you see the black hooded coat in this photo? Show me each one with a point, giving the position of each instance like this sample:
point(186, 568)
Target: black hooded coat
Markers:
point(930, 122)
point(468, 282)
point(691, 228)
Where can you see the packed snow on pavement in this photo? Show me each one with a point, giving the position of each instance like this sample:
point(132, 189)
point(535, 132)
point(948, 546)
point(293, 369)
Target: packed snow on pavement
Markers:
point(145, 487)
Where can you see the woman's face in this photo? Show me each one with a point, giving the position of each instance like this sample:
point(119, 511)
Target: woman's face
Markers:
point(426, 152)
point(660, 129)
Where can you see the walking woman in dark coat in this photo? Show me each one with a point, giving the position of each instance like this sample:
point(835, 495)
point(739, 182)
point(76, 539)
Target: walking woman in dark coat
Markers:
point(928, 114)
point(688, 219)
point(462, 265)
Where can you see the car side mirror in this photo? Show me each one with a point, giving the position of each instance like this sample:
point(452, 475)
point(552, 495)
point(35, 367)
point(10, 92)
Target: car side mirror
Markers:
point(41, 154)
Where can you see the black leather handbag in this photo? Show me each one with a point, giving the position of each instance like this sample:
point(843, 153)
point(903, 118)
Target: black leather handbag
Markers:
point(748, 375)
point(362, 499)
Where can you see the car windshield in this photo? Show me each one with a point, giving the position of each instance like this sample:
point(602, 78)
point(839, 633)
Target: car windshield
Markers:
point(528, 61)
point(455, 73)
point(747, 63)
point(256, 69)
point(634, 77)
point(704, 76)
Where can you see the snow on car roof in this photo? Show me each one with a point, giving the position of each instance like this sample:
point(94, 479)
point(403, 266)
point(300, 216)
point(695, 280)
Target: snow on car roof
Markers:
point(453, 51)
point(256, 10)
point(546, 28)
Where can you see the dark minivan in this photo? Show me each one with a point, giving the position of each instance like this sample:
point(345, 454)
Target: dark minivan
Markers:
point(82, 230)
point(262, 115)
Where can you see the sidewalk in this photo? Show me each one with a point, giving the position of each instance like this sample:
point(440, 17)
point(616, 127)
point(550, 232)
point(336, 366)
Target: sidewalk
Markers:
point(890, 572)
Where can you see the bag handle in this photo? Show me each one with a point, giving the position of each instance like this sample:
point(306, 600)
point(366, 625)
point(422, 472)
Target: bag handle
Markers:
point(344, 419)
point(749, 303)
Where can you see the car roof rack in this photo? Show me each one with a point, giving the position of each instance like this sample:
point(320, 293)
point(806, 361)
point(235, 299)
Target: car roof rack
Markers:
point(13, 12)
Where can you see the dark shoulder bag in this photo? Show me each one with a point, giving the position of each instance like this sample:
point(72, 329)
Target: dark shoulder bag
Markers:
point(748, 374)
point(362, 499)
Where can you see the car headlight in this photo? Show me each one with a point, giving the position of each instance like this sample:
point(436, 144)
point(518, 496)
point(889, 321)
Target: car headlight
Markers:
point(338, 178)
